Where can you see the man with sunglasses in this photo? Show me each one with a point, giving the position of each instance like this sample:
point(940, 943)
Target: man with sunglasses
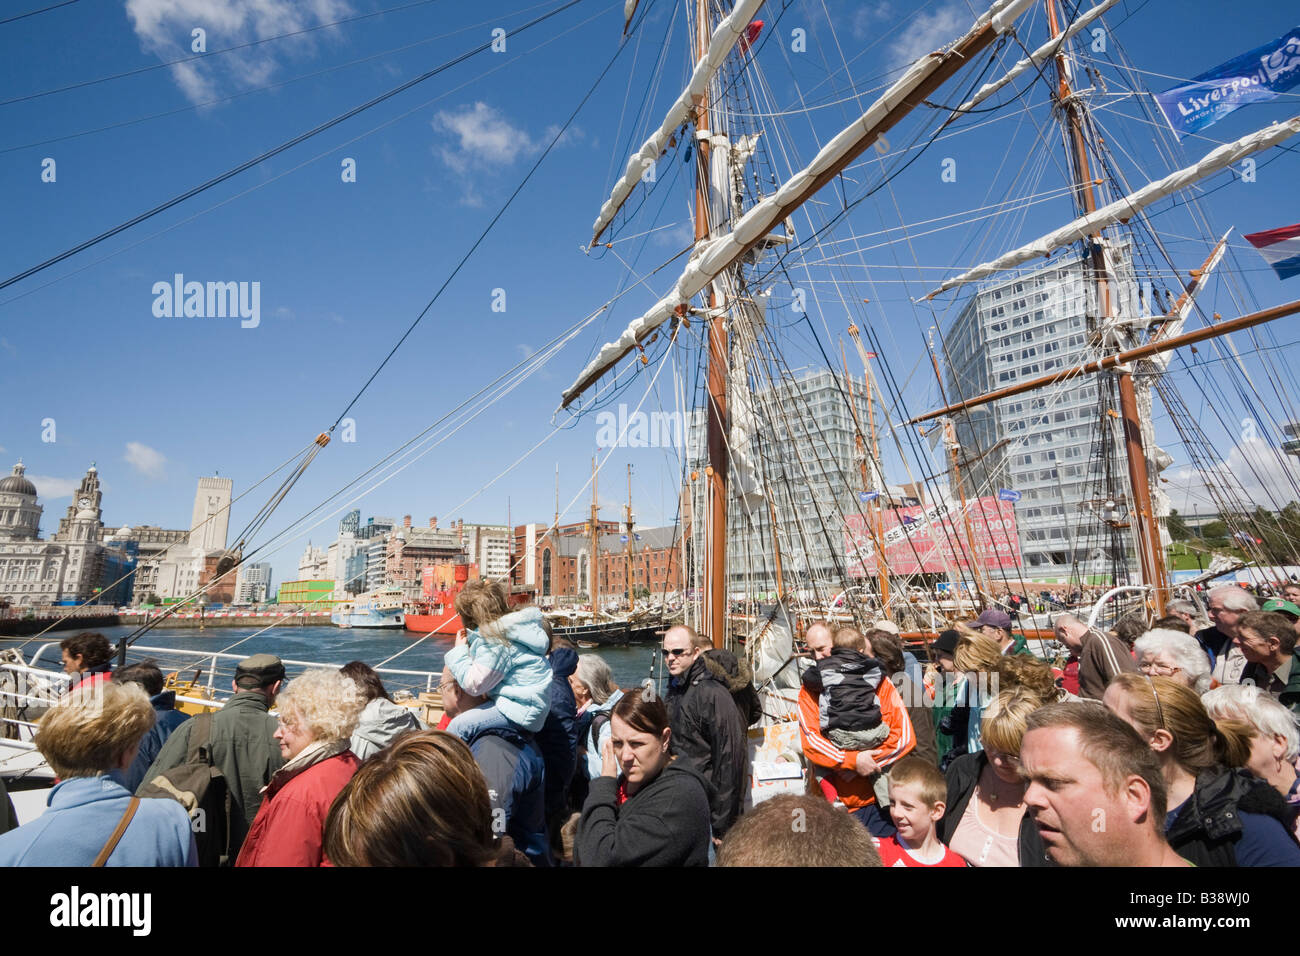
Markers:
point(709, 734)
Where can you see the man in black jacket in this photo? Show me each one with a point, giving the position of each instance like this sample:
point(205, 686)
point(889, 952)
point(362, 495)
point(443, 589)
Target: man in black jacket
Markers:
point(708, 730)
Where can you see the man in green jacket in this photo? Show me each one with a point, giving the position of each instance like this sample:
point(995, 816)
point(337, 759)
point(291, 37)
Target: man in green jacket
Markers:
point(243, 741)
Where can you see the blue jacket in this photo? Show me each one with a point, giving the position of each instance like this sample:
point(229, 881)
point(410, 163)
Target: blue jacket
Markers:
point(509, 666)
point(558, 738)
point(82, 814)
point(167, 719)
point(516, 779)
point(606, 731)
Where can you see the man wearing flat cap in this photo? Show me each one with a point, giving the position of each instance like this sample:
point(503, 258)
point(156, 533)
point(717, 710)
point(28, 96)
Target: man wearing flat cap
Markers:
point(243, 741)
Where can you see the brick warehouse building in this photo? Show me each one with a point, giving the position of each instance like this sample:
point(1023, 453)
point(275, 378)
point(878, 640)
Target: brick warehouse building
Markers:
point(556, 564)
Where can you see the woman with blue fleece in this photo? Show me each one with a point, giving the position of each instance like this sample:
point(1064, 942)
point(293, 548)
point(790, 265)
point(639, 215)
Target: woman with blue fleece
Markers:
point(500, 655)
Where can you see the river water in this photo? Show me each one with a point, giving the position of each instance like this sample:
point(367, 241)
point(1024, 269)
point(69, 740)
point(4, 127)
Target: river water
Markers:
point(335, 645)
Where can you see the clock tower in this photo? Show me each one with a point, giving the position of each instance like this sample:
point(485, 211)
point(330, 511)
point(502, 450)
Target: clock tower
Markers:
point(84, 518)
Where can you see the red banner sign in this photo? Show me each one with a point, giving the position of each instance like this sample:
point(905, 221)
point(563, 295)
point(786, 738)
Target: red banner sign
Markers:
point(934, 538)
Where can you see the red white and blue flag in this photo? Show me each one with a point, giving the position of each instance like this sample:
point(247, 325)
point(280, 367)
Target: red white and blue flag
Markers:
point(1280, 249)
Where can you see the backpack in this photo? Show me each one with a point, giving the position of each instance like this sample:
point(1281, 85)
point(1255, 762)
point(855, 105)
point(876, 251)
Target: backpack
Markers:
point(201, 788)
point(579, 786)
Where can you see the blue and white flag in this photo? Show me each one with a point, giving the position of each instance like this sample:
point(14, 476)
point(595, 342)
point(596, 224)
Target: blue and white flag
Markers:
point(622, 537)
point(868, 495)
point(1008, 494)
point(1253, 77)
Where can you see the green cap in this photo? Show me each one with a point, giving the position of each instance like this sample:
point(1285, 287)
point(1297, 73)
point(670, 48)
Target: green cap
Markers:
point(266, 668)
point(1283, 607)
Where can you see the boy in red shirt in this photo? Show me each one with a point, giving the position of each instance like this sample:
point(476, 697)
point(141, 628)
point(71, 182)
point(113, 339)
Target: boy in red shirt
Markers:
point(918, 795)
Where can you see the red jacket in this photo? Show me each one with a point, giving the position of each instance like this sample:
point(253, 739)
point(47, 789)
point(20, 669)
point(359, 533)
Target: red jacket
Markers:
point(289, 828)
point(854, 790)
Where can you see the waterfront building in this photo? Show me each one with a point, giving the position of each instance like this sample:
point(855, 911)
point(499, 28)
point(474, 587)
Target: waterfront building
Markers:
point(254, 583)
point(151, 545)
point(375, 527)
point(314, 564)
point(70, 567)
point(488, 546)
point(376, 552)
point(561, 569)
point(210, 522)
point(315, 595)
point(809, 461)
point(1056, 447)
point(411, 550)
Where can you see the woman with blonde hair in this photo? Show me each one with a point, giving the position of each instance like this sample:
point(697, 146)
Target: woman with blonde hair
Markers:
point(1219, 815)
point(90, 739)
point(420, 802)
point(985, 820)
point(318, 712)
point(979, 659)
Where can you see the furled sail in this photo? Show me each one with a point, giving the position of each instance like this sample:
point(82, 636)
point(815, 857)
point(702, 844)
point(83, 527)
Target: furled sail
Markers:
point(712, 257)
point(724, 38)
point(1128, 206)
point(1037, 58)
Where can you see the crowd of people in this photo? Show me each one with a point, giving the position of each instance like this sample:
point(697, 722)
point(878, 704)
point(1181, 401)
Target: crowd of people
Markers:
point(1180, 737)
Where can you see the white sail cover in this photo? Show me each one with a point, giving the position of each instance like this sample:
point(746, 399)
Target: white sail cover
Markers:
point(1037, 58)
point(724, 38)
point(1128, 206)
point(710, 258)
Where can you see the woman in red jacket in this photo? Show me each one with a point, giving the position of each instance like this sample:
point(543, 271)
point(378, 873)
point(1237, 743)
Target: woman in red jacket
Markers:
point(318, 712)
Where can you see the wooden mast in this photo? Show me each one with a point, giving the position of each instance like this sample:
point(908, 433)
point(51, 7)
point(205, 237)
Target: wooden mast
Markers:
point(873, 507)
point(715, 555)
point(1145, 522)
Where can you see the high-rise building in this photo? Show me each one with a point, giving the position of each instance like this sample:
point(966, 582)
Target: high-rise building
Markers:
point(1057, 447)
point(210, 522)
point(808, 458)
point(254, 584)
point(351, 522)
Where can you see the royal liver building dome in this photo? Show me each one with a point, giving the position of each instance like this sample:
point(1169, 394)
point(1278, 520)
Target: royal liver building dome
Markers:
point(68, 567)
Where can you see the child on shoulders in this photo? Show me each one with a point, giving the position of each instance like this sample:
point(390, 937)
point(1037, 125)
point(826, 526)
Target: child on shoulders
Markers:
point(501, 655)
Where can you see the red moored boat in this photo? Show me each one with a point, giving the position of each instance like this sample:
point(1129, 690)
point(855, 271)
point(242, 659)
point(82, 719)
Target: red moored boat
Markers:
point(436, 614)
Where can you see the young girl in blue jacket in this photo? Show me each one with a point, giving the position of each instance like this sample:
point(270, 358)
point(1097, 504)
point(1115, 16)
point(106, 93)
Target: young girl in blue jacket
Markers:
point(500, 655)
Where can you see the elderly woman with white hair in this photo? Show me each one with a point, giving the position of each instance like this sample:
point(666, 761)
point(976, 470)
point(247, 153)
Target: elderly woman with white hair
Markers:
point(593, 682)
point(1164, 652)
point(318, 712)
point(1276, 743)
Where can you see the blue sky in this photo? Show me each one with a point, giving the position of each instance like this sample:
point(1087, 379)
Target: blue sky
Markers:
point(345, 267)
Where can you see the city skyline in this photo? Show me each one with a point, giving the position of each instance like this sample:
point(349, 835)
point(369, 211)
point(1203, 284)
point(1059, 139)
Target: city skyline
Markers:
point(349, 236)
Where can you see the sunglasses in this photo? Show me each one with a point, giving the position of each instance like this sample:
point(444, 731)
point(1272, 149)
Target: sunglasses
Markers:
point(676, 652)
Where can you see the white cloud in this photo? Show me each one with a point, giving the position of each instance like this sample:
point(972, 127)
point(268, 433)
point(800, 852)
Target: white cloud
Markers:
point(165, 28)
point(49, 488)
point(1267, 478)
point(525, 350)
point(930, 30)
point(482, 136)
point(148, 461)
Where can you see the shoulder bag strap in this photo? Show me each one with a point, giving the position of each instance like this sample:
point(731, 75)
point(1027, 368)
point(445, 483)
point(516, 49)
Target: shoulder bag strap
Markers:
point(122, 824)
point(200, 738)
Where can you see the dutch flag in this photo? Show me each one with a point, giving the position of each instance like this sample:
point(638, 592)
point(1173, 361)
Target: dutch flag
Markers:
point(1280, 249)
